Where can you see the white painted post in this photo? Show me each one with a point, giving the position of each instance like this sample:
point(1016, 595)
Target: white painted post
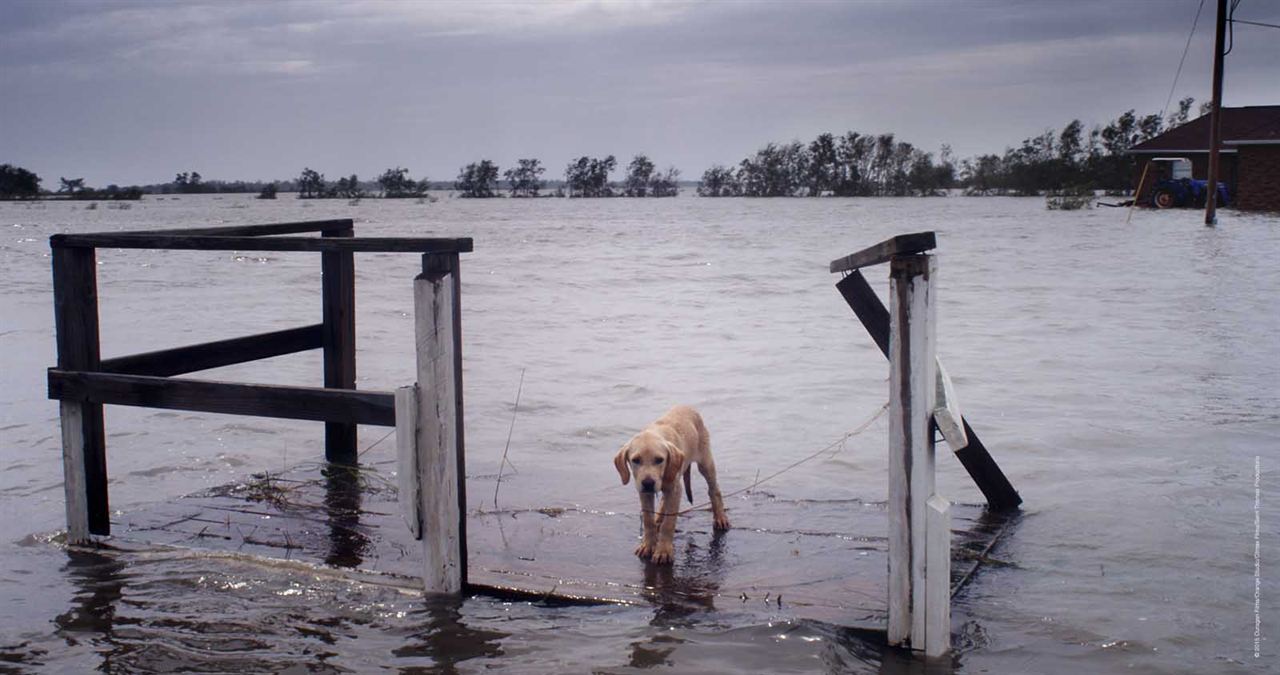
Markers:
point(407, 458)
point(73, 472)
point(439, 425)
point(912, 393)
point(937, 610)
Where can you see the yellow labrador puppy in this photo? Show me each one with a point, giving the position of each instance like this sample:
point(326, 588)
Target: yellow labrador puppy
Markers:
point(656, 457)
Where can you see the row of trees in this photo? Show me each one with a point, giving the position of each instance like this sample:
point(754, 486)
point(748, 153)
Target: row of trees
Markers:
point(852, 164)
point(583, 177)
point(19, 183)
point(1072, 158)
point(849, 165)
point(392, 184)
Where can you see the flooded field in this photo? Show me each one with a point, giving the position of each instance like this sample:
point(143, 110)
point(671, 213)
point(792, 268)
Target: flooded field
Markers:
point(1122, 374)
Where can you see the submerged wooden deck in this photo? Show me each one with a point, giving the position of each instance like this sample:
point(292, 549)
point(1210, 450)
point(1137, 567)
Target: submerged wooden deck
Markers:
point(818, 560)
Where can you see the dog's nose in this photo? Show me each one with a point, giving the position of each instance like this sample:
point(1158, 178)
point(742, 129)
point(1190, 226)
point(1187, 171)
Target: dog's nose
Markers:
point(647, 484)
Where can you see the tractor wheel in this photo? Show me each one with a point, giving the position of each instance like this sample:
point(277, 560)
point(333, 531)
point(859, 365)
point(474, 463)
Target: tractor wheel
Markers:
point(1164, 198)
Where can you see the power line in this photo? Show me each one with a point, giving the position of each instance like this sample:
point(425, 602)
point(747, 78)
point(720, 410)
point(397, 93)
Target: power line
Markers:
point(1181, 61)
point(1256, 23)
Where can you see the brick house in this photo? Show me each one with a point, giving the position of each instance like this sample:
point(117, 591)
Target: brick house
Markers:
point(1249, 160)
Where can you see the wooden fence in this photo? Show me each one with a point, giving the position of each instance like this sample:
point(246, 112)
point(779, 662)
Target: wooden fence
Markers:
point(83, 382)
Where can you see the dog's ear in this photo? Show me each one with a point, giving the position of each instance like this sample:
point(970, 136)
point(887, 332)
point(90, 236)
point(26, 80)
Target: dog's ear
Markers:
point(675, 464)
point(620, 463)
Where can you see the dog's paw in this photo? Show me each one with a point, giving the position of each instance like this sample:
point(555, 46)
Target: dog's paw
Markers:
point(664, 553)
point(721, 522)
point(644, 550)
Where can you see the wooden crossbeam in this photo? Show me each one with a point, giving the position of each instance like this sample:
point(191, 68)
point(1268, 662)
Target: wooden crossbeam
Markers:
point(261, 400)
point(261, 243)
point(206, 355)
point(903, 244)
point(258, 230)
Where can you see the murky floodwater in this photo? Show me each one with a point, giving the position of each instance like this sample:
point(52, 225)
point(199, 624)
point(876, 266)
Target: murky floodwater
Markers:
point(1124, 375)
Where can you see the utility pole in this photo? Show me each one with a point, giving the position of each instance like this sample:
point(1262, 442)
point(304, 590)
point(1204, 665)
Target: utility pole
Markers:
point(1215, 117)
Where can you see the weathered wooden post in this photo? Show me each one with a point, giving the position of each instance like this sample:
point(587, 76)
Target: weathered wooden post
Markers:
point(338, 290)
point(408, 480)
point(912, 394)
point(441, 467)
point(84, 453)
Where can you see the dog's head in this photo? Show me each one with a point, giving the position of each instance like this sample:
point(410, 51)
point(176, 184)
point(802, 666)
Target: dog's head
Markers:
point(651, 460)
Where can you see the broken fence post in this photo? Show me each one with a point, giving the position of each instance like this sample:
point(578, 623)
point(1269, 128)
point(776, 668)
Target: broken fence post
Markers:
point(975, 458)
point(912, 391)
point(937, 603)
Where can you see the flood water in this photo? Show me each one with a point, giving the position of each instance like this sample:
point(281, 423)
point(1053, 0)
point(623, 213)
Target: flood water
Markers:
point(1123, 375)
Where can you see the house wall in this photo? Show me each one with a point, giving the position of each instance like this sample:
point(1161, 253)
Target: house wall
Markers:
point(1259, 186)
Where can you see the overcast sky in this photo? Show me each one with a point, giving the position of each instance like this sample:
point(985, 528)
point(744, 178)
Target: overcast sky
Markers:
point(133, 92)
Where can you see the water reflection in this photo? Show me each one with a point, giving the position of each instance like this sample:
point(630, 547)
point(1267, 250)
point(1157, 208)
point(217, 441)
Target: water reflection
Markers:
point(446, 639)
point(99, 580)
point(679, 593)
point(347, 543)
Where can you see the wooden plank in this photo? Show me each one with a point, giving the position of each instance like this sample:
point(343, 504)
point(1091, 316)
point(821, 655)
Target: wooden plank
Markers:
point(864, 302)
point(409, 496)
point(221, 243)
point(206, 355)
point(937, 623)
point(338, 295)
point(73, 481)
point(982, 467)
point(439, 423)
point(946, 416)
point(912, 381)
point(975, 458)
point(260, 400)
point(75, 301)
point(255, 230)
point(903, 244)
point(454, 264)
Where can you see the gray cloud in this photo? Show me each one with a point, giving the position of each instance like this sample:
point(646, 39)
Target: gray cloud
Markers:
point(135, 91)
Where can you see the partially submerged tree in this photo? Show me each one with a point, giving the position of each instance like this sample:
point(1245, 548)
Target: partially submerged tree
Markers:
point(665, 184)
point(639, 173)
point(311, 184)
point(589, 177)
point(478, 180)
point(525, 179)
point(18, 183)
point(348, 188)
point(395, 183)
point(70, 185)
point(719, 181)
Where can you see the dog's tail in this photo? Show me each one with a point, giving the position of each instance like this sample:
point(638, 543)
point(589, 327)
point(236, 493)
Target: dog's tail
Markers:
point(688, 484)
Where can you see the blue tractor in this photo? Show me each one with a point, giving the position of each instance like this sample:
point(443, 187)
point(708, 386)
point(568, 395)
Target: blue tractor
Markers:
point(1180, 190)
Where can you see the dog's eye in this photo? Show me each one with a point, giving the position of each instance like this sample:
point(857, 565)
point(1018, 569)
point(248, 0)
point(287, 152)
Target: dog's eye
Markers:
point(635, 461)
point(657, 461)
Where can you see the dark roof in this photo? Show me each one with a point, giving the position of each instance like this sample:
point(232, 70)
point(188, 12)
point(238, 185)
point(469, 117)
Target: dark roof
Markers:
point(1252, 123)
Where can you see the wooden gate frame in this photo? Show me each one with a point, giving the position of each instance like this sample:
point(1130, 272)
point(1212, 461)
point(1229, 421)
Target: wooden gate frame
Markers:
point(83, 382)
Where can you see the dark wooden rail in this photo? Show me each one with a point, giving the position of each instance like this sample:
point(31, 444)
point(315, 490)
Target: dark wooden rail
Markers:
point(207, 355)
point(903, 244)
point(260, 243)
point(83, 382)
point(259, 400)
